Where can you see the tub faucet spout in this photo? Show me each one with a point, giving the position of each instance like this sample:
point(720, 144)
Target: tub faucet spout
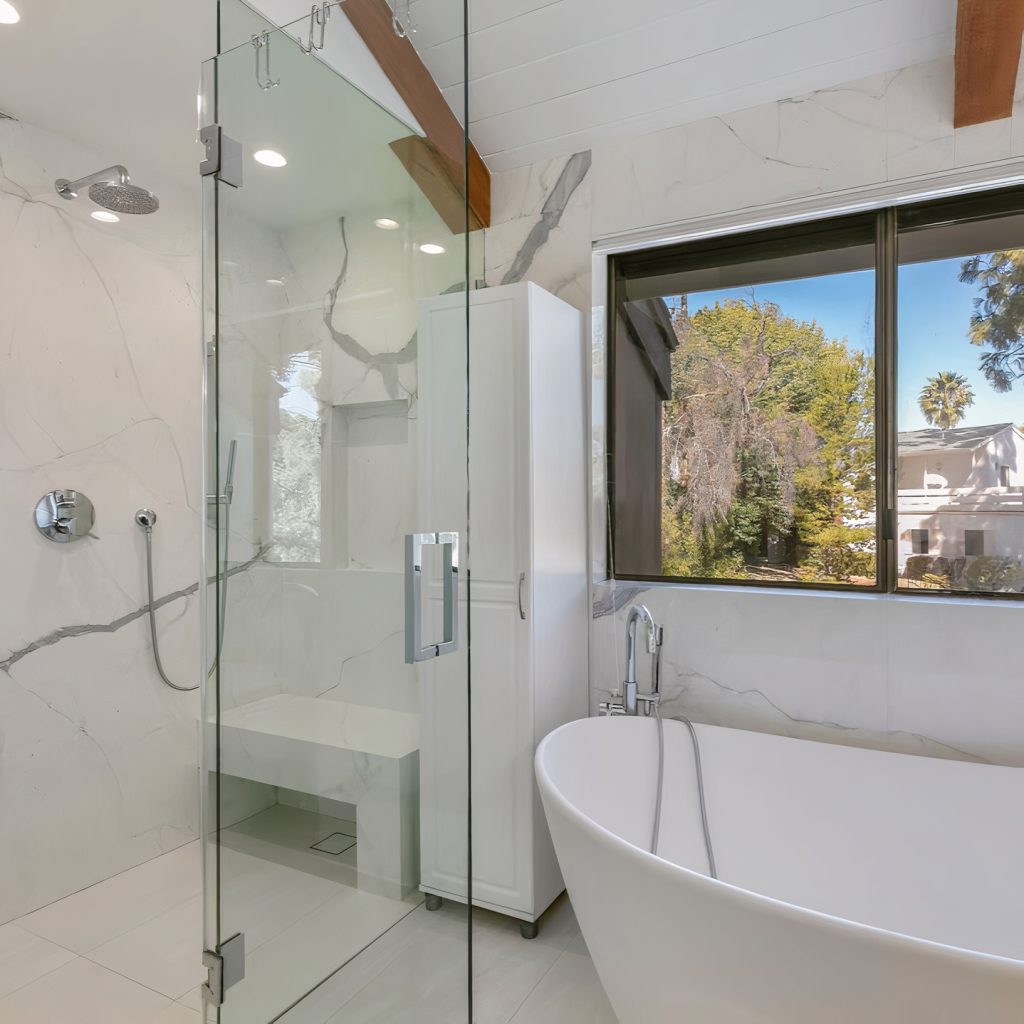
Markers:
point(626, 702)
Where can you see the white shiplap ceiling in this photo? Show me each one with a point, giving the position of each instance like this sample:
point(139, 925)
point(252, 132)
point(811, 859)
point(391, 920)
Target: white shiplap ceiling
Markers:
point(548, 77)
point(551, 77)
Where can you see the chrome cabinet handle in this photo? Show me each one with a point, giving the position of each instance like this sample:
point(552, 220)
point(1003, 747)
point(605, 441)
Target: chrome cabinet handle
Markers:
point(415, 650)
point(522, 580)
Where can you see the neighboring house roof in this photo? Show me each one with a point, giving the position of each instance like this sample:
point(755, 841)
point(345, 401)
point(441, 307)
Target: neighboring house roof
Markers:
point(912, 442)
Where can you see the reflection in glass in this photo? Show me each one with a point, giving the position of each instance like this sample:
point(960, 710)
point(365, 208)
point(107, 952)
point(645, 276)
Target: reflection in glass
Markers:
point(297, 461)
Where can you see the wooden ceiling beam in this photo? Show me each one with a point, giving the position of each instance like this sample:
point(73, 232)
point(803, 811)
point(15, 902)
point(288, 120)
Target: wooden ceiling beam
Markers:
point(988, 46)
point(414, 83)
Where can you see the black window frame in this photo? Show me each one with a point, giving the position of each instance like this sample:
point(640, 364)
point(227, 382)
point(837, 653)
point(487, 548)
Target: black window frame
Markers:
point(889, 222)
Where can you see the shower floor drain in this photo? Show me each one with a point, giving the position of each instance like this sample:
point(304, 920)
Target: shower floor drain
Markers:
point(335, 843)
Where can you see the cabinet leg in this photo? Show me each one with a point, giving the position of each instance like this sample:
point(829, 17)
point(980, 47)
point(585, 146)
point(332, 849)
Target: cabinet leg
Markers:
point(433, 901)
point(528, 929)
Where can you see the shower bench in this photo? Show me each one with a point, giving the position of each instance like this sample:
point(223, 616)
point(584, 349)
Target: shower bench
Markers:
point(359, 755)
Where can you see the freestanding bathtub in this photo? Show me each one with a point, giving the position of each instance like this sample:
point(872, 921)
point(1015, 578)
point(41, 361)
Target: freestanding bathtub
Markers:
point(855, 886)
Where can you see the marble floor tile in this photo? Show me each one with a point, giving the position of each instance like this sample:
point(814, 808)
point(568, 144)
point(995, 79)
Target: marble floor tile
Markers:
point(263, 899)
point(401, 963)
point(82, 992)
point(177, 1013)
point(25, 957)
point(193, 1000)
point(570, 993)
point(415, 972)
point(422, 979)
point(283, 969)
point(89, 918)
point(164, 954)
point(322, 1003)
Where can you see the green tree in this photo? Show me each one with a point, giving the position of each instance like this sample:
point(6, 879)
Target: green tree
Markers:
point(997, 323)
point(945, 399)
point(768, 445)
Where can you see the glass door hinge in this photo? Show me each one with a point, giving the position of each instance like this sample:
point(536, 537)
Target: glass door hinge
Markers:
point(223, 156)
point(224, 968)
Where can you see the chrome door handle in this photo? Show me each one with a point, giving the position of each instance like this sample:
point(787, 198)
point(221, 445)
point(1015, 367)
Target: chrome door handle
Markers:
point(415, 650)
point(522, 580)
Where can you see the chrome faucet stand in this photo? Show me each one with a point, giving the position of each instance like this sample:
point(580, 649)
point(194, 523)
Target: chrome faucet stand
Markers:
point(629, 700)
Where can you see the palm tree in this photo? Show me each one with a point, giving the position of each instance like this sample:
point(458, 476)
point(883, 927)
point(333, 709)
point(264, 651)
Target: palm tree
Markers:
point(944, 399)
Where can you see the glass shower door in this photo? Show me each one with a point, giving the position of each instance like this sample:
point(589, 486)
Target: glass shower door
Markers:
point(337, 575)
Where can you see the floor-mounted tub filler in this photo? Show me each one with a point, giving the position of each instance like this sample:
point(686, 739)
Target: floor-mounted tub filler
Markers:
point(854, 885)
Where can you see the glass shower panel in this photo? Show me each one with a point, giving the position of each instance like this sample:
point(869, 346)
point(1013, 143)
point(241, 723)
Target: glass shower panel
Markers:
point(322, 261)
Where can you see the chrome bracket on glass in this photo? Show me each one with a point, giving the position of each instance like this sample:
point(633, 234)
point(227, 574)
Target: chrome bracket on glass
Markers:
point(224, 967)
point(415, 650)
point(261, 44)
point(223, 156)
point(64, 515)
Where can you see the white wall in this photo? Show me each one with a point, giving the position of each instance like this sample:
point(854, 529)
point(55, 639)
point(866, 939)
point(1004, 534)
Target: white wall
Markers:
point(99, 390)
point(927, 676)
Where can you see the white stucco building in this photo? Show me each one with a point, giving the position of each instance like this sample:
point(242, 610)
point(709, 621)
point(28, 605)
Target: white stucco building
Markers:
point(961, 495)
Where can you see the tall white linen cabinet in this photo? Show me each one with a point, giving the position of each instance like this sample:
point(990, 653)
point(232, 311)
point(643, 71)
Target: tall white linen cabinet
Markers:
point(527, 560)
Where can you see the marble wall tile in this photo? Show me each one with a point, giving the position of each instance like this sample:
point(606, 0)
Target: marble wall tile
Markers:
point(99, 390)
point(892, 673)
point(922, 677)
point(953, 677)
point(542, 232)
point(880, 129)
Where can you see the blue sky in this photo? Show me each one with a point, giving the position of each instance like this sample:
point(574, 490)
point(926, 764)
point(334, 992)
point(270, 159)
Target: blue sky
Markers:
point(934, 314)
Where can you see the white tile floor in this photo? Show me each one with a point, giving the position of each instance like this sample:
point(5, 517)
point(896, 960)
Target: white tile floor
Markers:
point(126, 951)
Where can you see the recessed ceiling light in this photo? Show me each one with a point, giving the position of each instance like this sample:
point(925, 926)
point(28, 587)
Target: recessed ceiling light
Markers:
point(104, 215)
point(431, 249)
point(275, 280)
point(8, 13)
point(387, 224)
point(269, 158)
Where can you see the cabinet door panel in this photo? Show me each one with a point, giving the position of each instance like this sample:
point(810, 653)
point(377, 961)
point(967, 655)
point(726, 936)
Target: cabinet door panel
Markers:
point(498, 417)
point(502, 724)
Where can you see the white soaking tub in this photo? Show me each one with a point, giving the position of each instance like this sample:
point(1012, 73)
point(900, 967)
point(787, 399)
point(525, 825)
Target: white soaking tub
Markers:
point(855, 886)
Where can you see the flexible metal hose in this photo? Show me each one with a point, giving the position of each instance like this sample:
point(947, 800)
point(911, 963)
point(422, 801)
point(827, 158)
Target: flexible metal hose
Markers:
point(222, 593)
point(152, 618)
point(656, 832)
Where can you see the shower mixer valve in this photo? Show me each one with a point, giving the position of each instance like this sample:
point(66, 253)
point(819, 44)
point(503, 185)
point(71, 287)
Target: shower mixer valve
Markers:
point(64, 515)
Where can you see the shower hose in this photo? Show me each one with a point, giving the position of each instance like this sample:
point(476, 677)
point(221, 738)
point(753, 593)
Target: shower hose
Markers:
point(147, 529)
point(656, 833)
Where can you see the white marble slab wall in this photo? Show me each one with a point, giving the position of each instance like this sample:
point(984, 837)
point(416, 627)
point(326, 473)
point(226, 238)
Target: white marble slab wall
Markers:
point(100, 371)
point(932, 677)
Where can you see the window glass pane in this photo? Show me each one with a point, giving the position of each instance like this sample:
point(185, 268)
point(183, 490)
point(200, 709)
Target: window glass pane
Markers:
point(297, 462)
point(763, 371)
point(961, 374)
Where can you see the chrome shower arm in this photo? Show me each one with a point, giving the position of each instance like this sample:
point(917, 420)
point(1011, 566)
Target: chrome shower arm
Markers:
point(116, 175)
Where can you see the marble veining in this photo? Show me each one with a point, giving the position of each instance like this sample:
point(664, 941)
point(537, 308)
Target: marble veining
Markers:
point(100, 390)
point(573, 173)
point(84, 629)
point(385, 363)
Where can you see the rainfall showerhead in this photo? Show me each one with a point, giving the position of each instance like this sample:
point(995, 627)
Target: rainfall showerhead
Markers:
point(112, 189)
